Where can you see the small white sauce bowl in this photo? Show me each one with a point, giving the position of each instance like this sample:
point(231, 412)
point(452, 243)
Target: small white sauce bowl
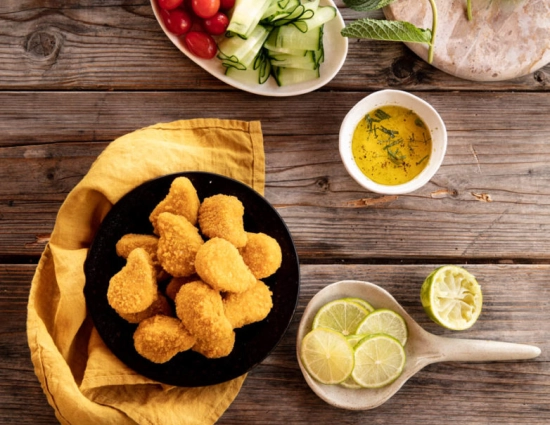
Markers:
point(394, 98)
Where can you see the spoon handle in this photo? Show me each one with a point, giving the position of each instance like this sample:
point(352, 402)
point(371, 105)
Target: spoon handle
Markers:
point(474, 350)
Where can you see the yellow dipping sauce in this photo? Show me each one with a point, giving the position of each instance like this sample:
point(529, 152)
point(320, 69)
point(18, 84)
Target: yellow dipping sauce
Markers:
point(391, 145)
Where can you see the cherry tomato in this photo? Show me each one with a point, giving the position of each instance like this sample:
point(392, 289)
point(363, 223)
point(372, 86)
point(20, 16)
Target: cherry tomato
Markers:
point(178, 22)
point(169, 4)
point(201, 44)
point(217, 24)
point(226, 4)
point(205, 8)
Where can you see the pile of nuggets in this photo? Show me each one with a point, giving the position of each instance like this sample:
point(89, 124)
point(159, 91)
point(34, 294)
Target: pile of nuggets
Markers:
point(213, 267)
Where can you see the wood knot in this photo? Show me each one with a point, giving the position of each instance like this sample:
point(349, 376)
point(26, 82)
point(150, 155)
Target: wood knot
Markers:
point(403, 67)
point(404, 70)
point(43, 45)
point(444, 193)
point(540, 77)
point(50, 173)
point(323, 183)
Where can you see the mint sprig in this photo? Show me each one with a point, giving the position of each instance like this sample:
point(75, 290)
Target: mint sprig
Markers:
point(378, 29)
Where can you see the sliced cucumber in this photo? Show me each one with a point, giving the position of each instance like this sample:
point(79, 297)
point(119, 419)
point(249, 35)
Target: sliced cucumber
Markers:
point(288, 76)
point(282, 38)
point(237, 49)
point(291, 11)
point(246, 15)
point(311, 4)
point(271, 10)
point(258, 73)
point(323, 14)
point(290, 37)
point(271, 42)
point(307, 61)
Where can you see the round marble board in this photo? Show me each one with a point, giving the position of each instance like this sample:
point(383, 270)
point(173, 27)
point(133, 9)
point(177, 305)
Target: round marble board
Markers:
point(505, 39)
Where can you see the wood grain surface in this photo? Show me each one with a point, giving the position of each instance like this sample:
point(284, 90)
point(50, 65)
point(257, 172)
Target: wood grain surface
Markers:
point(77, 74)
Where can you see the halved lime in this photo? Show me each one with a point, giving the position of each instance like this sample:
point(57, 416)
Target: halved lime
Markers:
point(452, 297)
point(386, 322)
point(327, 356)
point(379, 360)
point(340, 315)
point(361, 302)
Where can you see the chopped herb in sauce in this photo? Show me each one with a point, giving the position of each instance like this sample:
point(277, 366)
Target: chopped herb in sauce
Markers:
point(392, 145)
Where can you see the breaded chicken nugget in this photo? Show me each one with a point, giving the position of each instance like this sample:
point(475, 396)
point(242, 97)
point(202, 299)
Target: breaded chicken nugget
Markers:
point(176, 283)
point(160, 338)
point(178, 244)
point(134, 288)
point(249, 306)
point(215, 349)
point(262, 254)
point(131, 241)
point(200, 309)
point(219, 264)
point(222, 216)
point(160, 306)
point(182, 199)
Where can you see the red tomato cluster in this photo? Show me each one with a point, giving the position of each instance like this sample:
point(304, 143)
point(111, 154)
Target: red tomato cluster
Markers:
point(196, 21)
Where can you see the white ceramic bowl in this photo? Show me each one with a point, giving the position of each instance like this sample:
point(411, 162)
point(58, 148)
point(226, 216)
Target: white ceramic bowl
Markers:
point(395, 98)
point(336, 50)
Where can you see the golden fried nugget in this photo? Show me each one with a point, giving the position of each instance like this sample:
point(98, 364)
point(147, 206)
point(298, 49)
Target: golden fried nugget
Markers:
point(200, 308)
point(222, 216)
point(131, 241)
point(134, 288)
point(178, 244)
point(219, 264)
point(182, 199)
point(159, 338)
point(215, 349)
point(160, 306)
point(249, 306)
point(262, 254)
point(176, 283)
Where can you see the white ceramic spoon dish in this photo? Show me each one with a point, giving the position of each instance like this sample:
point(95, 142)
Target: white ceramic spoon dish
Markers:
point(422, 348)
point(336, 50)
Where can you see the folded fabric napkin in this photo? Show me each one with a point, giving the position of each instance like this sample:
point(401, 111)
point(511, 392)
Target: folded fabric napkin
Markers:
point(83, 381)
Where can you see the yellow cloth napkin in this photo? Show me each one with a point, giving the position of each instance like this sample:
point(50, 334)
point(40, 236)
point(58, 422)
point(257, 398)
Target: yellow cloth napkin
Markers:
point(83, 381)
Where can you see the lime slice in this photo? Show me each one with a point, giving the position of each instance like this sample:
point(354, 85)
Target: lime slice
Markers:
point(379, 360)
point(384, 321)
point(354, 339)
point(350, 382)
point(452, 297)
point(327, 356)
point(340, 315)
point(361, 302)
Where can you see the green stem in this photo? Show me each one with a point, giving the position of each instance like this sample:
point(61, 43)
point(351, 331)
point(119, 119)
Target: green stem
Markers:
point(469, 9)
point(434, 29)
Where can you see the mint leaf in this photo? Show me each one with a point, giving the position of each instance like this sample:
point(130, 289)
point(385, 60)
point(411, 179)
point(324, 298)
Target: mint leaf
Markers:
point(366, 5)
point(378, 29)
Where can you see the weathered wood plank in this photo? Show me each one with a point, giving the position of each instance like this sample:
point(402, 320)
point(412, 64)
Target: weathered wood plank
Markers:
point(21, 398)
point(119, 45)
point(488, 201)
point(515, 310)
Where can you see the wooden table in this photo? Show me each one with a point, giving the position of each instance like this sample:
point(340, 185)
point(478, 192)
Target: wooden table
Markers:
point(74, 75)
